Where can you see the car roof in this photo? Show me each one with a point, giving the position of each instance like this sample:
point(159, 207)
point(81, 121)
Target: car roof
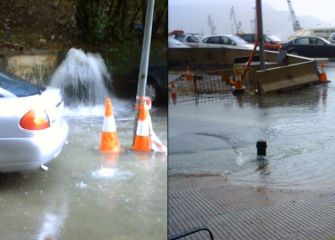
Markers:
point(219, 35)
point(314, 36)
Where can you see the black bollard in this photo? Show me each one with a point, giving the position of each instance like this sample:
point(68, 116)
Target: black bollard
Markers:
point(261, 147)
point(261, 153)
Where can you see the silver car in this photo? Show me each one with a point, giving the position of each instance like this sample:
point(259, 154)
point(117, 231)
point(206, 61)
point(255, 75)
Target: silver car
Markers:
point(225, 41)
point(32, 130)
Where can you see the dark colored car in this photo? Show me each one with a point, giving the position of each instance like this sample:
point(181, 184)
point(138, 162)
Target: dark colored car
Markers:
point(157, 84)
point(310, 46)
point(271, 42)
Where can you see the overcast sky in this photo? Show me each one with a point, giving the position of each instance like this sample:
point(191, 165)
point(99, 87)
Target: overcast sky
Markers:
point(322, 9)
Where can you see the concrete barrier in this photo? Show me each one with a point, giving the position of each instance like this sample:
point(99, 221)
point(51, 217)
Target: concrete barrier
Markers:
point(220, 56)
point(287, 77)
point(293, 72)
point(33, 66)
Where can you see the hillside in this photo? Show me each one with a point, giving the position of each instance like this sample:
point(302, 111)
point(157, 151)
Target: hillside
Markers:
point(37, 24)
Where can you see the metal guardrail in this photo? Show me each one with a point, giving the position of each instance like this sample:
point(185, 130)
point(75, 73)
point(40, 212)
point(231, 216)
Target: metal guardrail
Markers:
point(191, 232)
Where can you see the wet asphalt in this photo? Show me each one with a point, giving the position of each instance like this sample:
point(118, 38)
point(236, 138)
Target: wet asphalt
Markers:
point(218, 135)
point(87, 195)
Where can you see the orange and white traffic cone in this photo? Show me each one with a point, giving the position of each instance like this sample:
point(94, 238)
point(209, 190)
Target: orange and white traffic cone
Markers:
point(145, 139)
point(238, 88)
point(188, 75)
point(109, 138)
point(238, 82)
point(142, 141)
point(323, 75)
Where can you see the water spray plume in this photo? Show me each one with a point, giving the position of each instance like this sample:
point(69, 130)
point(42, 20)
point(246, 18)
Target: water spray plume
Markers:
point(81, 77)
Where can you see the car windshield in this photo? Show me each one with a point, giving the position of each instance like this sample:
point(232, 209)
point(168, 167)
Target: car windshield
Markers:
point(17, 87)
point(325, 40)
point(274, 38)
point(237, 39)
point(192, 39)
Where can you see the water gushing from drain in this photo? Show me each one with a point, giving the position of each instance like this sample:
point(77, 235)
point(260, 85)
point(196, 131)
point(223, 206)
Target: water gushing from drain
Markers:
point(81, 77)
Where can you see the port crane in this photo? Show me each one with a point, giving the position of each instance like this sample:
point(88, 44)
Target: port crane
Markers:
point(235, 23)
point(295, 22)
point(211, 25)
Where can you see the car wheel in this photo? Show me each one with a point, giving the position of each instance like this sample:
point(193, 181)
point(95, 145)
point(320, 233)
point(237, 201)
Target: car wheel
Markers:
point(152, 91)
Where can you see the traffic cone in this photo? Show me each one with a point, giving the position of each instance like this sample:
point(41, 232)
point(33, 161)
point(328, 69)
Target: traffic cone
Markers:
point(323, 75)
point(238, 88)
point(142, 141)
point(188, 75)
point(109, 138)
point(238, 82)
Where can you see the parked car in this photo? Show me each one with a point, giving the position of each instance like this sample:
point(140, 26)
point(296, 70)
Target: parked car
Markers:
point(32, 130)
point(271, 42)
point(157, 86)
point(310, 46)
point(174, 43)
point(225, 41)
point(190, 39)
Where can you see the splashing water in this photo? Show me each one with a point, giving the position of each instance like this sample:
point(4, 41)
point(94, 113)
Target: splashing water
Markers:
point(81, 77)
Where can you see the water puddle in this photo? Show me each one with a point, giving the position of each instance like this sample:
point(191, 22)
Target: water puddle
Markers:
point(297, 126)
point(110, 173)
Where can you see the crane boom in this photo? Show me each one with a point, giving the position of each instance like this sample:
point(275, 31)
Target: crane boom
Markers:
point(295, 22)
point(211, 25)
point(235, 24)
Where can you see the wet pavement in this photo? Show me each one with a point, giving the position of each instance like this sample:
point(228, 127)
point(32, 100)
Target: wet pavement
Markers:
point(217, 136)
point(214, 176)
point(87, 195)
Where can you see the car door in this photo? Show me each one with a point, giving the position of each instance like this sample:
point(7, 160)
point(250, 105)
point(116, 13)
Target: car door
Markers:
point(191, 41)
point(212, 41)
point(318, 48)
point(301, 46)
point(227, 42)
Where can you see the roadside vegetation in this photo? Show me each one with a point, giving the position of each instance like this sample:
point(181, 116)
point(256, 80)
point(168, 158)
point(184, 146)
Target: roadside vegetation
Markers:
point(114, 28)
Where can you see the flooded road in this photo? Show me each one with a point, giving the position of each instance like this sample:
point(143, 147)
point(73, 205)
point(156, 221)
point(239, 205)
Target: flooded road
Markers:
point(85, 195)
point(217, 136)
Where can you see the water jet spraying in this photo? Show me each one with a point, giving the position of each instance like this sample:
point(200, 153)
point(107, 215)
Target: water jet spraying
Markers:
point(82, 78)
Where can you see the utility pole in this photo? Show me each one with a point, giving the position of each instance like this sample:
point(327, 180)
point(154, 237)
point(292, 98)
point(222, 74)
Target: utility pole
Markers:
point(260, 35)
point(142, 77)
point(143, 74)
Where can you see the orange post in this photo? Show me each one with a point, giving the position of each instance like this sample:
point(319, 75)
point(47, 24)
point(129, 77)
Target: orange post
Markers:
point(188, 75)
point(173, 92)
point(109, 138)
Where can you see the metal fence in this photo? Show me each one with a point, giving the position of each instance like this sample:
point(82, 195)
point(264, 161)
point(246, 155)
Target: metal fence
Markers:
point(204, 85)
